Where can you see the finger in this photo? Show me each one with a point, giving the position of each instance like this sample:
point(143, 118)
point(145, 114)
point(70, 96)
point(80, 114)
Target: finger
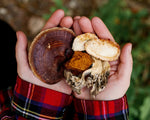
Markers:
point(114, 68)
point(112, 73)
point(85, 94)
point(85, 25)
point(112, 63)
point(55, 19)
point(21, 50)
point(126, 62)
point(76, 18)
point(66, 22)
point(100, 29)
point(76, 26)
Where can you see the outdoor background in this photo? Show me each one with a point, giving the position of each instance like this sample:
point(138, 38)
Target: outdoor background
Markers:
point(128, 21)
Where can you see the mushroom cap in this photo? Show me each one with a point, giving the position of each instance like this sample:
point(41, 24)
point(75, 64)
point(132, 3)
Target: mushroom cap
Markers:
point(106, 50)
point(80, 40)
point(49, 51)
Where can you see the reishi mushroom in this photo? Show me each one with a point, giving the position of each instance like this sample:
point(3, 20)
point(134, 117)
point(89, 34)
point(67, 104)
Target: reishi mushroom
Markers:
point(49, 51)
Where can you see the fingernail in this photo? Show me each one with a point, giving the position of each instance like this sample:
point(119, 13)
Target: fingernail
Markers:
point(130, 47)
point(17, 34)
point(76, 18)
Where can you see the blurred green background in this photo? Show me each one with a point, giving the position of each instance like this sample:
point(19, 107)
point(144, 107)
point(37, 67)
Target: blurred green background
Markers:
point(128, 21)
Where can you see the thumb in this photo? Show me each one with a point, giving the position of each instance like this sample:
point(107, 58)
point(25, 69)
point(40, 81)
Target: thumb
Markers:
point(126, 62)
point(21, 51)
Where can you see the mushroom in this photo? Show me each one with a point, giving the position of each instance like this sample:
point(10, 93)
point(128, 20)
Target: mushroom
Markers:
point(96, 76)
point(75, 82)
point(106, 50)
point(80, 40)
point(49, 51)
point(97, 81)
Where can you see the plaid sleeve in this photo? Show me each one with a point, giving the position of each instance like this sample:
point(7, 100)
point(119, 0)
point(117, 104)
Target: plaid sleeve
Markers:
point(101, 110)
point(34, 102)
point(5, 104)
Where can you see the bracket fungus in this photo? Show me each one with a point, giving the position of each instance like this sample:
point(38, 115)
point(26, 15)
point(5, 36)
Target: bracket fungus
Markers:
point(48, 52)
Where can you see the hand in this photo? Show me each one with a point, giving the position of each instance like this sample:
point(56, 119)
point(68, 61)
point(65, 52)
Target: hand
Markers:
point(23, 68)
point(120, 73)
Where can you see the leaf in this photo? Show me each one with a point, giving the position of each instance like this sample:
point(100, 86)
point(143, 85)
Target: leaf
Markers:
point(145, 109)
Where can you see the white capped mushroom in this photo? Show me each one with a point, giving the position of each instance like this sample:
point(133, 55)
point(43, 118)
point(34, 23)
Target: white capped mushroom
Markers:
point(103, 49)
point(80, 40)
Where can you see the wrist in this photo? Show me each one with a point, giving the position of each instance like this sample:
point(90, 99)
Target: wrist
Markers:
point(105, 95)
point(60, 86)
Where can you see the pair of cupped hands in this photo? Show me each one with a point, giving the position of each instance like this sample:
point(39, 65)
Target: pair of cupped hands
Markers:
point(121, 69)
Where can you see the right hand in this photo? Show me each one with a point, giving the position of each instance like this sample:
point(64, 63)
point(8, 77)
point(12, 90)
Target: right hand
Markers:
point(23, 68)
point(120, 73)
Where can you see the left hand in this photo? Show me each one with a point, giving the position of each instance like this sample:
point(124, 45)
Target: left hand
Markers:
point(23, 68)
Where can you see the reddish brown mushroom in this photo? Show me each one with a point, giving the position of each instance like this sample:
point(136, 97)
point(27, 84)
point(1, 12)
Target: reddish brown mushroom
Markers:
point(49, 51)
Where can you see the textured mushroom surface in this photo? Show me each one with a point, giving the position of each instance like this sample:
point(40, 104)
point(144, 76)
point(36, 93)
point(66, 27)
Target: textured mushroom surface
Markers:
point(80, 40)
point(102, 49)
point(49, 51)
point(79, 62)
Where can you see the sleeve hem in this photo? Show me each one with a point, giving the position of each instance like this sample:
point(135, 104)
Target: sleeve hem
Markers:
point(101, 109)
point(31, 100)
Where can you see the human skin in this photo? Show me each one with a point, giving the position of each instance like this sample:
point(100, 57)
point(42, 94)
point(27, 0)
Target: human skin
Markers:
point(121, 69)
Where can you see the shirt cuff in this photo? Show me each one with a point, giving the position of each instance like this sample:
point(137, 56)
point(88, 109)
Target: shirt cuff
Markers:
point(35, 102)
point(5, 106)
point(101, 110)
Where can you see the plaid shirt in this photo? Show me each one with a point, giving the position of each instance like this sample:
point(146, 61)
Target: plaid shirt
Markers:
point(34, 102)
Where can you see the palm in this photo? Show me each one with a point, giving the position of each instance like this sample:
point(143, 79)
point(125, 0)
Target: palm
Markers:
point(116, 86)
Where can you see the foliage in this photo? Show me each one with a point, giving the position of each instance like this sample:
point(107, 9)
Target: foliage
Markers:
point(145, 109)
point(128, 25)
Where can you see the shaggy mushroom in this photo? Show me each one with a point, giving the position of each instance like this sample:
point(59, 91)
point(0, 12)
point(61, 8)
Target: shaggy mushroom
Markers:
point(95, 77)
point(49, 51)
point(99, 79)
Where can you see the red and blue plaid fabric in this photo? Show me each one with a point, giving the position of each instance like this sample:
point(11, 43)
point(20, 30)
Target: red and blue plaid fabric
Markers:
point(101, 110)
point(5, 104)
point(34, 102)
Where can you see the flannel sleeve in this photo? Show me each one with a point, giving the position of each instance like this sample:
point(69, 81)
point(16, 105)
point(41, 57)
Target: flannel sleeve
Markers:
point(34, 102)
point(101, 110)
point(5, 104)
